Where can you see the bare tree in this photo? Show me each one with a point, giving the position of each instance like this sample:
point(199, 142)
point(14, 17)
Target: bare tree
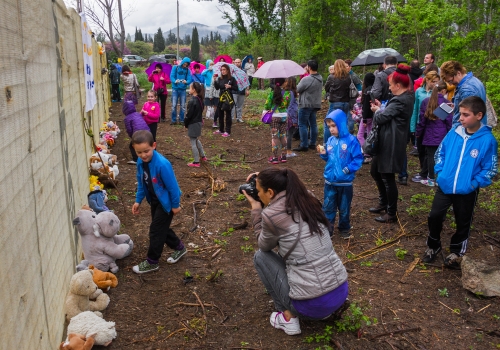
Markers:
point(108, 15)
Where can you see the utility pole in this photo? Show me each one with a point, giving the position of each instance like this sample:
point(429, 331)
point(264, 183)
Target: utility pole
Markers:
point(79, 6)
point(177, 31)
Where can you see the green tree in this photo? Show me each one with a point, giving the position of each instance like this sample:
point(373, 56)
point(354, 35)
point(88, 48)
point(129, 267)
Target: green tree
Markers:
point(171, 38)
point(140, 48)
point(195, 45)
point(159, 41)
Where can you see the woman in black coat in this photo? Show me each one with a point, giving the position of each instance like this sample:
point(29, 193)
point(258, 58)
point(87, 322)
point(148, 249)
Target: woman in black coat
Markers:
point(393, 124)
point(225, 82)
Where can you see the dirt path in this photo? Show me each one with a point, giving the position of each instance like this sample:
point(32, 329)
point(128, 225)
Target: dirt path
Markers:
point(159, 311)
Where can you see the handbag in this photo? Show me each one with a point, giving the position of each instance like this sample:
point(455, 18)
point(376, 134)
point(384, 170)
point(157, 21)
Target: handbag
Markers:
point(160, 91)
point(226, 101)
point(267, 116)
point(136, 88)
point(353, 90)
point(372, 141)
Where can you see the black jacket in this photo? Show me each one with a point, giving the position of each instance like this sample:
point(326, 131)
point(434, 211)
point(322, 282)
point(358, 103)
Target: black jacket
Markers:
point(194, 111)
point(415, 73)
point(394, 124)
point(338, 89)
point(366, 105)
point(114, 75)
point(220, 83)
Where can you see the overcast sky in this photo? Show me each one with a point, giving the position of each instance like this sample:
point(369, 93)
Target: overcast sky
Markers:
point(149, 15)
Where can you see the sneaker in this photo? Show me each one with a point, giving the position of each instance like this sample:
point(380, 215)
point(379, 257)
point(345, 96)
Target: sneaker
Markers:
point(132, 162)
point(291, 327)
point(428, 182)
point(452, 261)
point(205, 159)
point(176, 255)
point(367, 160)
point(216, 132)
point(403, 181)
point(215, 125)
point(346, 234)
point(418, 178)
point(273, 160)
point(283, 158)
point(225, 134)
point(291, 155)
point(414, 152)
point(431, 255)
point(194, 165)
point(145, 267)
point(173, 123)
point(240, 120)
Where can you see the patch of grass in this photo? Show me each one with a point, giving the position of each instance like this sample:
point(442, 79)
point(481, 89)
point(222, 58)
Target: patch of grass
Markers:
point(323, 338)
point(222, 243)
point(246, 238)
point(366, 263)
point(247, 248)
point(400, 253)
point(216, 161)
point(228, 232)
point(240, 197)
point(354, 319)
point(255, 123)
point(421, 203)
point(443, 292)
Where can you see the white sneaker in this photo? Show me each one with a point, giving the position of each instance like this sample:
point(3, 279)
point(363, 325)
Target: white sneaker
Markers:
point(291, 327)
point(131, 162)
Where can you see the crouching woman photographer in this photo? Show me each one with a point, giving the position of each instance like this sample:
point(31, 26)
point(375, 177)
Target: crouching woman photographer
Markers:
point(306, 278)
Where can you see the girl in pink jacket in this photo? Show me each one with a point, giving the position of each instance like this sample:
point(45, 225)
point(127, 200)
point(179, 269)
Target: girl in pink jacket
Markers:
point(151, 112)
point(160, 79)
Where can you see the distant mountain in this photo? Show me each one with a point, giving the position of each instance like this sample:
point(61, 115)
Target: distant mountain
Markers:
point(203, 30)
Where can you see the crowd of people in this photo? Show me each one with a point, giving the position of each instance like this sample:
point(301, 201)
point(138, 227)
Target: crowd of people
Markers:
point(440, 111)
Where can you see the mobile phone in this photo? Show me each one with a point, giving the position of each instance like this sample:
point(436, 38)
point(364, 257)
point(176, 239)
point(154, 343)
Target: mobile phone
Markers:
point(372, 98)
point(446, 107)
point(216, 75)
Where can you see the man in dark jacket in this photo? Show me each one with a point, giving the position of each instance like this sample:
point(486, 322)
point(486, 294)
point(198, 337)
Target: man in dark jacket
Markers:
point(415, 70)
point(114, 77)
point(380, 89)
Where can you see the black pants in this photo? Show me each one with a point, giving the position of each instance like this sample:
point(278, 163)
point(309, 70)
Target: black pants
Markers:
point(429, 154)
point(153, 127)
point(250, 79)
point(115, 92)
point(424, 170)
point(387, 189)
point(160, 232)
point(228, 121)
point(463, 207)
point(132, 151)
point(162, 99)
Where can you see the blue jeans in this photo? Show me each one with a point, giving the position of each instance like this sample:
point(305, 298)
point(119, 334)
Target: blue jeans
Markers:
point(344, 106)
point(404, 170)
point(307, 118)
point(338, 197)
point(176, 95)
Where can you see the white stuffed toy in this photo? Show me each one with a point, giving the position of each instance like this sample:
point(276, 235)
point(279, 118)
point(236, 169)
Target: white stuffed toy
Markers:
point(88, 323)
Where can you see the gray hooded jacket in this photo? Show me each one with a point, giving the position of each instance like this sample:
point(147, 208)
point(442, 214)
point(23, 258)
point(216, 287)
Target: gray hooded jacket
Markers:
point(313, 268)
point(310, 89)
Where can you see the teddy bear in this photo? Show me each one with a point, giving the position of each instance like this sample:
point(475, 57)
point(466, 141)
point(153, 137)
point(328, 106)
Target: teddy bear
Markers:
point(97, 200)
point(88, 323)
point(104, 280)
point(78, 342)
point(100, 243)
point(81, 289)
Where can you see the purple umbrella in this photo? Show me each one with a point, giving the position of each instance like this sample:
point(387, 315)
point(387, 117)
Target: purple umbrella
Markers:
point(226, 58)
point(279, 69)
point(191, 66)
point(165, 67)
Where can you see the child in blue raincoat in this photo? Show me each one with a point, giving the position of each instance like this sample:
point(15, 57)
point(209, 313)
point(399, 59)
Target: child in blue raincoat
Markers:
point(343, 157)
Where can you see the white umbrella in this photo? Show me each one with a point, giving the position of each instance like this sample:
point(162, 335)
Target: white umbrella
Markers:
point(279, 69)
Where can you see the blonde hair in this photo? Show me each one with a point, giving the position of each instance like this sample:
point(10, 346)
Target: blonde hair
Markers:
point(430, 76)
point(340, 70)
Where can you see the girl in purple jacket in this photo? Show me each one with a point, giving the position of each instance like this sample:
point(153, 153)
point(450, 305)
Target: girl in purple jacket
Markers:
point(133, 122)
point(432, 129)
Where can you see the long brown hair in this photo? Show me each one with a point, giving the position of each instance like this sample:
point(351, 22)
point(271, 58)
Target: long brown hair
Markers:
point(291, 85)
point(298, 199)
point(433, 100)
point(229, 76)
point(340, 70)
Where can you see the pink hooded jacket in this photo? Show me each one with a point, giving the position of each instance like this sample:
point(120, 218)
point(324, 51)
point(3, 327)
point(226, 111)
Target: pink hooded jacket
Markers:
point(153, 109)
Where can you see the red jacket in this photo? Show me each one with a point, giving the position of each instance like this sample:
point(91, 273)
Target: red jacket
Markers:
point(260, 64)
point(155, 79)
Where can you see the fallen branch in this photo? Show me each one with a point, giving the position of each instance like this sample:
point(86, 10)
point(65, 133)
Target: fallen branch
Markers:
point(446, 306)
point(177, 331)
point(194, 214)
point(487, 306)
point(216, 253)
point(399, 331)
point(410, 268)
point(191, 304)
point(190, 329)
point(204, 313)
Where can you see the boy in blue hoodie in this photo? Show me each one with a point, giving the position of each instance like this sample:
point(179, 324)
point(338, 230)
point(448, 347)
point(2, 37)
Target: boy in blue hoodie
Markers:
point(343, 158)
point(181, 79)
point(156, 181)
point(465, 161)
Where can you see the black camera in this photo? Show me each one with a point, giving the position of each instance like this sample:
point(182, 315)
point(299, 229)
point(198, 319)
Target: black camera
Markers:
point(251, 188)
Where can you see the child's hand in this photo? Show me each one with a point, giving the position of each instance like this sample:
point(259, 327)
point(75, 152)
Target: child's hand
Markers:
point(162, 78)
point(177, 81)
point(321, 149)
point(135, 208)
point(176, 210)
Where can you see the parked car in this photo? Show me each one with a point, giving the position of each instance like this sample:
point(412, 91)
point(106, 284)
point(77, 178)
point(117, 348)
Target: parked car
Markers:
point(133, 60)
point(162, 58)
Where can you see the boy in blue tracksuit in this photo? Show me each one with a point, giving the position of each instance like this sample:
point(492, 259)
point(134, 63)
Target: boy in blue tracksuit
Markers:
point(465, 161)
point(181, 79)
point(156, 181)
point(343, 158)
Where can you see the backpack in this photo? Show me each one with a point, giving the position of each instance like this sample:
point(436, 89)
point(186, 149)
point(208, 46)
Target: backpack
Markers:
point(386, 92)
point(372, 141)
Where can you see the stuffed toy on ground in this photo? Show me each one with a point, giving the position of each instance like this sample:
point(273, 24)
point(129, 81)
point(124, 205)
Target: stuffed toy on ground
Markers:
point(78, 342)
point(81, 290)
point(104, 280)
point(100, 243)
point(88, 323)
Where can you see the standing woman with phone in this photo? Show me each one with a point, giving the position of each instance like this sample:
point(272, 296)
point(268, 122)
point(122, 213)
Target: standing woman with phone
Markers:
point(366, 123)
point(431, 129)
point(226, 82)
point(160, 81)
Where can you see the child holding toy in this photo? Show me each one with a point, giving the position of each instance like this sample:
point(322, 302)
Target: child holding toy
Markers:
point(194, 122)
point(151, 112)
point(133, 122)
point(343, 157)
point(156, 181)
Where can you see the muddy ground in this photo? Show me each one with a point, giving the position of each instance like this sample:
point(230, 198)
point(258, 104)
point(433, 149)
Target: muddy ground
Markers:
point(159, 311)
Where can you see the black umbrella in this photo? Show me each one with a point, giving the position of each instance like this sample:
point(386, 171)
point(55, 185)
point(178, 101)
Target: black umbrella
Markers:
point(376, 56)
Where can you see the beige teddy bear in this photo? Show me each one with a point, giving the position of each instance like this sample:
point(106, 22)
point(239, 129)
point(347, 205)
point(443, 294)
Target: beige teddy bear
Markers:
point(81, 289)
